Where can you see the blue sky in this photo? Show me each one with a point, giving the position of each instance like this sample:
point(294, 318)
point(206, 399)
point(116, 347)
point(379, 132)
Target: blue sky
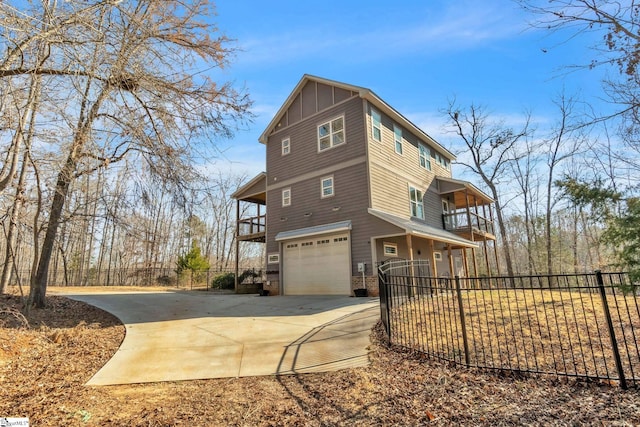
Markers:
point(416, 55)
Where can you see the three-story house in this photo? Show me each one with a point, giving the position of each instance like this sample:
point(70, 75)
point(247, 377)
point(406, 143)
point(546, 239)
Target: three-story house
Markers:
point(350, 183)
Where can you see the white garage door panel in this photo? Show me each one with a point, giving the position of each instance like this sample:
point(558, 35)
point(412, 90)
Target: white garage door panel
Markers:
point(317, 266)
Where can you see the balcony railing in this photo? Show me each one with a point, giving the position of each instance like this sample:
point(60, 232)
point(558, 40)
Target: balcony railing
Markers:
point(252, 227)
point(467, 221)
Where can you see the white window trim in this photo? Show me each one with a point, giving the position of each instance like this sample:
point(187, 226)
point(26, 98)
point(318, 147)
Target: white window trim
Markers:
point(443, 161)
point(393, 246)
point(286, 197)
point(437, 255)
point(373, 125)
point(322, 195)
point(331, 133)
point(273, 258)
point(286, 146)
point(426, 156)
point(412, 202)
point(397, 132)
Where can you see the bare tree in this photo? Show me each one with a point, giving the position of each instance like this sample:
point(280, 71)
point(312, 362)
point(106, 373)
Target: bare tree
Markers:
point(491, 147)
point(619, 47)
point(133, 77)
point(565, 142)
point(524, 171)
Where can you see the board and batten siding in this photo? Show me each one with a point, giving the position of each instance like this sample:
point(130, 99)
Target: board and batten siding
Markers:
point(312, 98)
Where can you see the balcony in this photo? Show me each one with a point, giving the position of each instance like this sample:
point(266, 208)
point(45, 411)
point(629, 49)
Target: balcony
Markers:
point(252, 229)
point(251, 200)
point(469, 225)
point(466, 211)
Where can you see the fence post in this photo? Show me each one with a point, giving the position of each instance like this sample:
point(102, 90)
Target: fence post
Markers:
point(462, 321)
point(384, 303)
point(612, 334)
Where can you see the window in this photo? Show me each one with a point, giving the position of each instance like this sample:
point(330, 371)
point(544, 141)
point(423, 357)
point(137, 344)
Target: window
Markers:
point(390, 249)
point(415, 196)
point(326, 187)
point(442, 161)
point(397, 136)
point(286, 197)
point(273, 259)
point(286, 146)
point(425, 156)
point(376, 125)
point(331, 134)
point(437, 256)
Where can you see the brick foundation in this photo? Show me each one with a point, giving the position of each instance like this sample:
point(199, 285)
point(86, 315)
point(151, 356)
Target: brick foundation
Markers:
point(370, 281)
point(273, 286)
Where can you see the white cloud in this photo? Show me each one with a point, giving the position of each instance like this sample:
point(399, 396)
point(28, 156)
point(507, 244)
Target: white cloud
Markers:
point(459, 25)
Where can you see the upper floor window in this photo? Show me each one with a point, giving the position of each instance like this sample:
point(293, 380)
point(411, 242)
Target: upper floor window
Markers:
point(417, 209)
point(286, 146)
point(397, 136)
point(442, 161)
point(326, 187)
point(331, 134)
point(286, 197)
point(425, 156)
point(376, 125)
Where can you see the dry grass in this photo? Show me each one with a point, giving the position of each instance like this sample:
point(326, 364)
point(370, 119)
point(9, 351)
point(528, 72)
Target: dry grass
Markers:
point(43, 368)
point(523, 329)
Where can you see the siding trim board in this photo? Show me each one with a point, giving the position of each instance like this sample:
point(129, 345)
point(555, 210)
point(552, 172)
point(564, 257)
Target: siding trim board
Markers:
point(300, 233)
point(317, 113)
point(318, 173)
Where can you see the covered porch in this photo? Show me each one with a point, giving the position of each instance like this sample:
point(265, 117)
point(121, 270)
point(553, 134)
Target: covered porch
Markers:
point(445, 254)
point(466, 211)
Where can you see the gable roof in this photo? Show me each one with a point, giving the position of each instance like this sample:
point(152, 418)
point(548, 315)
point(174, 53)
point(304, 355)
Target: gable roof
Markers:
point(457, 185)
point(364, 93)
point(254, 190)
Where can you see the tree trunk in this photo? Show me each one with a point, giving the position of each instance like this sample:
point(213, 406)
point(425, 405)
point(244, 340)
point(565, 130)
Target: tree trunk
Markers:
point(506, 247)
point(39, 283)
point(9, 259)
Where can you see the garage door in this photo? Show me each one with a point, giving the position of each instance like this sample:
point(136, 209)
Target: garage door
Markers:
point(318, 265)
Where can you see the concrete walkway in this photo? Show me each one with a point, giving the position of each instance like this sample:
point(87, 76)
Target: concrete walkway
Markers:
point(173, 336)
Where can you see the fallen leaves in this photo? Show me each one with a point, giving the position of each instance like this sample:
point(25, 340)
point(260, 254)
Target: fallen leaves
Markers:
point(43, 371)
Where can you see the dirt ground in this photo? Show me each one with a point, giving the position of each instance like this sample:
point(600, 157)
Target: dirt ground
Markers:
point(46, 358)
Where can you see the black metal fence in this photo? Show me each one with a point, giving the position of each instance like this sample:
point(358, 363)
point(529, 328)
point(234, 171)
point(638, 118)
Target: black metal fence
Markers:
point(575, 325)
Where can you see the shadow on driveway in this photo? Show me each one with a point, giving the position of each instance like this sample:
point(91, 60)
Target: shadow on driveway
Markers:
point(173, 336)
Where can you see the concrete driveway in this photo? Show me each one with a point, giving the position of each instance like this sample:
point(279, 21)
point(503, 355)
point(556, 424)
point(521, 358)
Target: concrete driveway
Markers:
point(172, 336)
